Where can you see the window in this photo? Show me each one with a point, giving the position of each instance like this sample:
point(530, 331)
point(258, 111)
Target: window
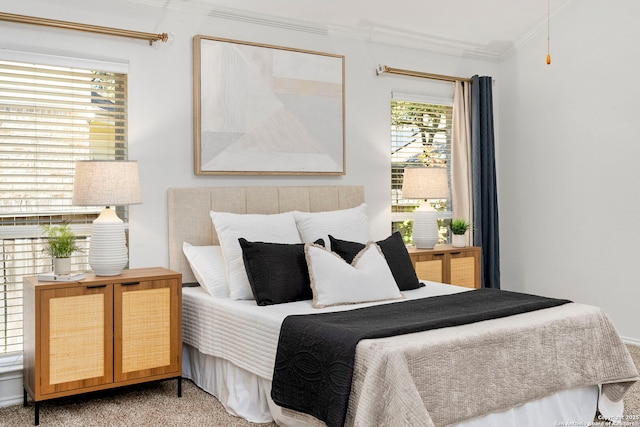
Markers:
point(420, 133)
point(50, 117)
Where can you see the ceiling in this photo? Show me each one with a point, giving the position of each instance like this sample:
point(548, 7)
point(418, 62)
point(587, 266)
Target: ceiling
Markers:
point(489, 29)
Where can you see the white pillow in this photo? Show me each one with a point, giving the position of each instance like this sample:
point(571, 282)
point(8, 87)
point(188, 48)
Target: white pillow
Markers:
point(345, 224)
point(334, 282)
point(207, 265)
point(276, 228)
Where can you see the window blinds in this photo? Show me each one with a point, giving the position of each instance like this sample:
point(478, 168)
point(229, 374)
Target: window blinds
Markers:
point(50, 117)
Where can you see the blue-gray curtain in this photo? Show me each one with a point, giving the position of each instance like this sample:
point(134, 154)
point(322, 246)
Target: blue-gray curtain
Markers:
point(483, 169)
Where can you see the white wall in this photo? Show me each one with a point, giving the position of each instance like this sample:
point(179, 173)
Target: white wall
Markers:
point(161, 97)
point(568, 162)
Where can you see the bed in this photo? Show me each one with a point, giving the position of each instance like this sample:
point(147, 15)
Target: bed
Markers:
point(491, 373)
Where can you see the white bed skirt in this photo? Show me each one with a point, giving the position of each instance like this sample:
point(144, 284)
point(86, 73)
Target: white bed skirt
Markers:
point(250, 398)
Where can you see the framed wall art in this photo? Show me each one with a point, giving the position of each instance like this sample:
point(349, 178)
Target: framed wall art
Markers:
point(261, 109)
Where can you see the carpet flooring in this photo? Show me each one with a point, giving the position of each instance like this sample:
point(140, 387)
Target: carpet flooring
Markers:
point(142, 405)
point(157, 404)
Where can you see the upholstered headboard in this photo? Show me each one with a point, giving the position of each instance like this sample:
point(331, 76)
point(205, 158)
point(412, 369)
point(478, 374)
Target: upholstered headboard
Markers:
point(189, 208)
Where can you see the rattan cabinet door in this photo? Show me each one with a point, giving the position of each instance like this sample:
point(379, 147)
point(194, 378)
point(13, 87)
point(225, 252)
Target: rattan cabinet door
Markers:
point(432, 270)
point(76, 338)
point(147, 329)
point(465, 267)
point(463, 271)
point(429, 266)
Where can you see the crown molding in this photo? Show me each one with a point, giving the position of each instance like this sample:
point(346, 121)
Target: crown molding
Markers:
point(539, 28)
point(412, 40)
point(203, 8)
point(372, 32)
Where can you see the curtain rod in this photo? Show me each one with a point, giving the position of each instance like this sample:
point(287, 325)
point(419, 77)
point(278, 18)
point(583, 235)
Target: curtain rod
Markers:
point(23, 19)
point(384, 69)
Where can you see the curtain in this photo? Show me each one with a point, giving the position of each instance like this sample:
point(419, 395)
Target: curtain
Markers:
point(461, 184)
point(485, 196)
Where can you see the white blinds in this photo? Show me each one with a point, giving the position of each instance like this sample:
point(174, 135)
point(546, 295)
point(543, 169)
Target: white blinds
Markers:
point(50, 117)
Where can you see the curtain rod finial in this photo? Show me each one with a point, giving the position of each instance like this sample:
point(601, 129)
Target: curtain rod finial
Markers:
point(166, 38)
point(381, 69)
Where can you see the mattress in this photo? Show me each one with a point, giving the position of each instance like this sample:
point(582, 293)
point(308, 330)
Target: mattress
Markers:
point(247, 335)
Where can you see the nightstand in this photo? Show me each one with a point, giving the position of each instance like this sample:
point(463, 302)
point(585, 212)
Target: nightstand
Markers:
point(446, 264)
point(101, 332)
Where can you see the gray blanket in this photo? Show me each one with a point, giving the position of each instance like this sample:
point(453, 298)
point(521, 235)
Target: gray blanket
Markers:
point(314, 363)
point(488, 367)
point(441, 377)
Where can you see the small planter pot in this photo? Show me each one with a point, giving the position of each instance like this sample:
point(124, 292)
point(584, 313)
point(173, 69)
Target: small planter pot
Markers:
point(62, 265)
point(459, 241)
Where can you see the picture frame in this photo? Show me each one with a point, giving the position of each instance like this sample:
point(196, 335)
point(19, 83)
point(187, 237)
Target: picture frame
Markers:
point(267, 110)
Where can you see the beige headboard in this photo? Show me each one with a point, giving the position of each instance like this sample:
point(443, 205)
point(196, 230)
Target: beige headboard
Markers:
point(189, 208)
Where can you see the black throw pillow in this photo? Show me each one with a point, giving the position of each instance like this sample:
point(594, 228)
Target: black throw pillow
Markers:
point(394, 251)
point(277, 272)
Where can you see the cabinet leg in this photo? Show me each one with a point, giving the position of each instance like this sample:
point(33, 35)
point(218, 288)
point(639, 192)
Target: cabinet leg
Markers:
point(179, 386)
point(36, 407)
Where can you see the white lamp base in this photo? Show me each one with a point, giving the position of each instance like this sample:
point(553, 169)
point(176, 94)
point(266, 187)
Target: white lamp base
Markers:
point(425, 226)
point(108, 251)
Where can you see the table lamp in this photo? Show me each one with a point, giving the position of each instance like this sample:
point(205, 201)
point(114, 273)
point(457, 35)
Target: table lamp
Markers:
point(107, 183)
point(425, 183)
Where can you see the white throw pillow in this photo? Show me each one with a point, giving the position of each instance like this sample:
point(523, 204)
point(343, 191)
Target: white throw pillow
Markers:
point(333, 281)
point(276, 228)
point(207, 265)
point(345, 224)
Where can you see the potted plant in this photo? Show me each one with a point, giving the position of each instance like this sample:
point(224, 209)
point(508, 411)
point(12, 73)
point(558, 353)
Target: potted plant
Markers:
point(459, 226)
point(61, 244)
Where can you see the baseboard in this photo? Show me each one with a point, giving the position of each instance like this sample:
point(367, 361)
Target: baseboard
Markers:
point(11, 391)
point(631, 341)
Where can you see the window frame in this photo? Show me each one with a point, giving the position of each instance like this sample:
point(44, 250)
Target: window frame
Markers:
point(402, 209)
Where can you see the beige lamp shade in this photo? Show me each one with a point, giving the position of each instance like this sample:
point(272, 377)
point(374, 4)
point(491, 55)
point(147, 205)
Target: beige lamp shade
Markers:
point(106, 183)
point(425, 183)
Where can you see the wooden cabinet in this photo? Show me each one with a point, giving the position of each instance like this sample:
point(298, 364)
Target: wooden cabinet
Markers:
point(446, 264)
point(101, 332)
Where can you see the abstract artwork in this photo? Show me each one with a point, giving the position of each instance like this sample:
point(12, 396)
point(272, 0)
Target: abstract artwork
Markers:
point(261, 109)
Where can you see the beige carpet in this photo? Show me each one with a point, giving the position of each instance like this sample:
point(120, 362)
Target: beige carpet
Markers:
point(157, 404)
point(632, 399)
point(150, 404)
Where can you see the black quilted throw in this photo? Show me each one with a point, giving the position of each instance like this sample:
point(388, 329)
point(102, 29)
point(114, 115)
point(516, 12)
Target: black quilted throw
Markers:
point(316, 352)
